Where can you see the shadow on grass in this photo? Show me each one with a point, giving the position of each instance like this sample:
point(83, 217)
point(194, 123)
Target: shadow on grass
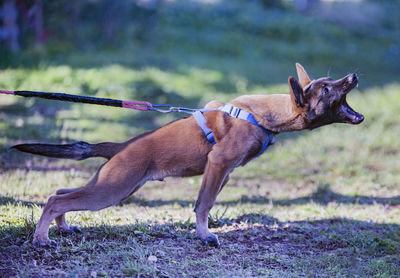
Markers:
point(246, 229)
point(14, 160)
point(321, 196)
point(45, 168)
point(4, 201)
point(265, 241)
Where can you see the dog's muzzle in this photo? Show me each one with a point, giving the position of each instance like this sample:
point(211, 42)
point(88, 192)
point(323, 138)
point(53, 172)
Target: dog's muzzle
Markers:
point(348, 113)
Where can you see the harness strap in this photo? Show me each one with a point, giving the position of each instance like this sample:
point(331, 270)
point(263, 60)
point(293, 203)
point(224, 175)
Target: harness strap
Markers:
point(241, 114)
point(202, 122)
point(233, 112)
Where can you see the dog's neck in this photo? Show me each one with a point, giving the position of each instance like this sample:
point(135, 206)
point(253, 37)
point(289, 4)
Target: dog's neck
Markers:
point(276, 113)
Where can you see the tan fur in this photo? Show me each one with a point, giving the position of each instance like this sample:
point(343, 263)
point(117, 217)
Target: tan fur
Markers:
point(304, 79)
point(180, 149)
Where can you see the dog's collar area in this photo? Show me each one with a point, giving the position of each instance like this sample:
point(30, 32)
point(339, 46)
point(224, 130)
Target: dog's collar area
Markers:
point(236, 113)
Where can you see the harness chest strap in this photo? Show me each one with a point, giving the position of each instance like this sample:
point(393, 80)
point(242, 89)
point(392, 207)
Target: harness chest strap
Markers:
point(202, 122)
point(236, 113)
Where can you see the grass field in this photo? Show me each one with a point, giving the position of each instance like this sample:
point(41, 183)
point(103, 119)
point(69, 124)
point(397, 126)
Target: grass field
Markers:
point(321, 203)
point(324, 202)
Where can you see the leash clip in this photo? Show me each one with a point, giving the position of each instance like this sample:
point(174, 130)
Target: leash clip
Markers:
point(166, 108)
point(162, 108)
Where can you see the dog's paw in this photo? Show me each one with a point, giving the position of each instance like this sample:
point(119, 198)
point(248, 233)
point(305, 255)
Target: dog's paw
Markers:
point(70, 230)
point(210, 240)
point(45, 243)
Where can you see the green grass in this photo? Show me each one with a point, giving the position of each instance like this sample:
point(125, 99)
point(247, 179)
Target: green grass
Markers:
point(321, 203)
point(324, 202)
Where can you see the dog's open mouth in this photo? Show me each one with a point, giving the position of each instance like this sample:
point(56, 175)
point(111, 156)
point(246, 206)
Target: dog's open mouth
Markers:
point(350, 115)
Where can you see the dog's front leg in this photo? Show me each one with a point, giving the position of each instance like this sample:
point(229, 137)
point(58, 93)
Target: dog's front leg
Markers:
point(215, 177)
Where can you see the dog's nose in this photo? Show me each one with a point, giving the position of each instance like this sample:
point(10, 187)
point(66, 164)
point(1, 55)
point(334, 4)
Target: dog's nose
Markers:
point(353, 78)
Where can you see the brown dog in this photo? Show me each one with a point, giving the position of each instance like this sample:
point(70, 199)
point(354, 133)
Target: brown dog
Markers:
point(181, 149)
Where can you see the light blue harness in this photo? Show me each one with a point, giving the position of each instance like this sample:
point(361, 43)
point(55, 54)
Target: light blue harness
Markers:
point(233, 112)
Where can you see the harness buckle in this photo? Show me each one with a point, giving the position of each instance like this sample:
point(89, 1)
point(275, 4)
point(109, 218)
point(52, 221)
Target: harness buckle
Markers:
point(235, 111)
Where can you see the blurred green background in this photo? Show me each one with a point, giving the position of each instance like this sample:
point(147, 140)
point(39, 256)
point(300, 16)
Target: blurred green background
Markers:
point(178, 52)
point(258, 40)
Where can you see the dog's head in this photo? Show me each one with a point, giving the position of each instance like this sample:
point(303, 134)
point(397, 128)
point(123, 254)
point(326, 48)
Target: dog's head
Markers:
point(323, 101)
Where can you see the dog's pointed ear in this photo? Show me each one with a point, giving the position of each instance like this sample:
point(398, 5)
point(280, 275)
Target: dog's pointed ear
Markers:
point(296, 92)
point(304, 79)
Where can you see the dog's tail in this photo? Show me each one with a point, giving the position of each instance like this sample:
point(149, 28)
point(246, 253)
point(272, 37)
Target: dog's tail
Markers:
point(77, 151)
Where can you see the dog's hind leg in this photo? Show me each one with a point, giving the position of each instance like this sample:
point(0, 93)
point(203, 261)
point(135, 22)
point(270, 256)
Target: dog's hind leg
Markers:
point(67, 190)
point(112, 183)
point(89, 198)
point(62, 224)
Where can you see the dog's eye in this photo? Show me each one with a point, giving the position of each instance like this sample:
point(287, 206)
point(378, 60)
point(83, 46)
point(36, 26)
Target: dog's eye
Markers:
point(324, 91)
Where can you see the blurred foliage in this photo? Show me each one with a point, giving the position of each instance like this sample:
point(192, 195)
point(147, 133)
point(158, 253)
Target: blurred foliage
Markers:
point(256, 39)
